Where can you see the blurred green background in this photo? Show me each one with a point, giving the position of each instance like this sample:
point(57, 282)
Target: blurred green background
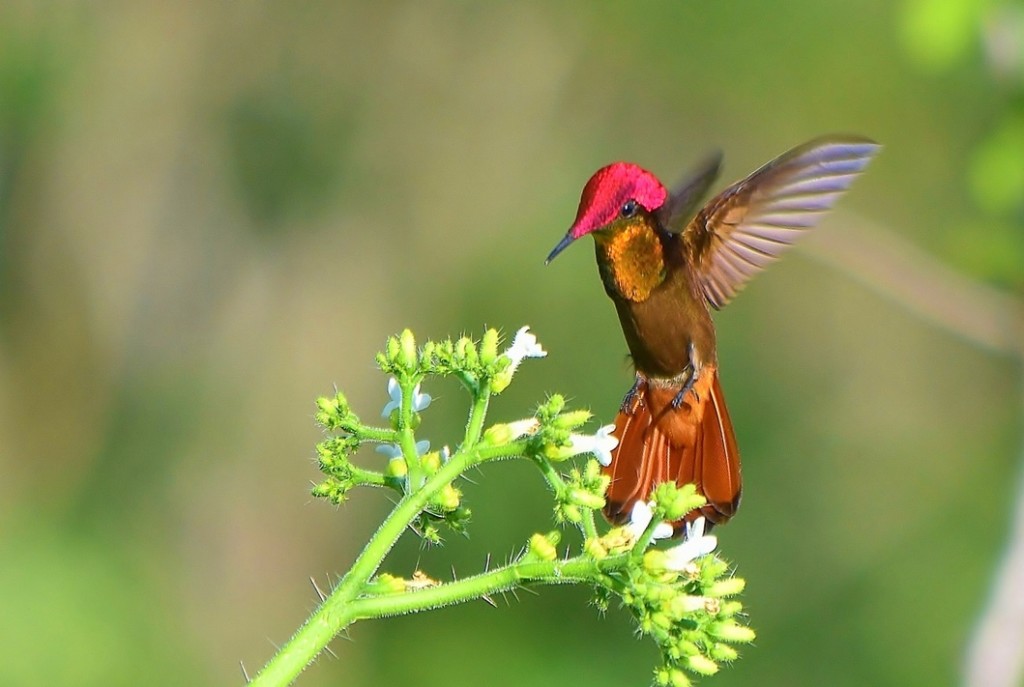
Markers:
point(210, 213)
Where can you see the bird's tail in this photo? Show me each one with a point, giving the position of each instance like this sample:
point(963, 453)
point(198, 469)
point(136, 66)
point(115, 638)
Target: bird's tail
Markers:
point(691, 443)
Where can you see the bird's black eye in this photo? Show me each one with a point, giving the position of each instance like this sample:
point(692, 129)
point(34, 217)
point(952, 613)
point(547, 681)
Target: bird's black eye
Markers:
point(629, 208)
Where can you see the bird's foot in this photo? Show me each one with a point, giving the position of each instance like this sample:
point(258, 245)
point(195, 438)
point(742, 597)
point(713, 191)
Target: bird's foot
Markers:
point(627, 402)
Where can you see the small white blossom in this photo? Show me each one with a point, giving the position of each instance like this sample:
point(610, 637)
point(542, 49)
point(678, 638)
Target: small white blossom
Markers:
point(419, 401)
point(600, 443)
point(393, 451)
point(524, 345)
point(640, 518)
point(694, 546)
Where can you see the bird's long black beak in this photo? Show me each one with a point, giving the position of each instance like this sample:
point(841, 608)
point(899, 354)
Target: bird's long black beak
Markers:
point(562, 245)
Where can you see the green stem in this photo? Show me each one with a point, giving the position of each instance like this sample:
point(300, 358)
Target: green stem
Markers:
point(644, 540)
point(406, 439)
point(335, 613)
point(589, 526)
point(369, 477)
point(476, 416)
point(579, 569)
point(367, 433)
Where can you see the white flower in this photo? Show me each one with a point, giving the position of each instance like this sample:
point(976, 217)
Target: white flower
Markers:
point(393, 451)
point(694, 546)
point(419, 401)
point(524, 345)
point(600, 444)
point(640, 518)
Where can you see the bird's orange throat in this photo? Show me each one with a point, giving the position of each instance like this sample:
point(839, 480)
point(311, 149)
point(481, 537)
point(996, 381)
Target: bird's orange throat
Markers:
point(631, 260)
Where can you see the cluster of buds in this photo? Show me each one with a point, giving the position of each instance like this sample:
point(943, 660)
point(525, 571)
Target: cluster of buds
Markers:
point(472, 362)
point(681, 595)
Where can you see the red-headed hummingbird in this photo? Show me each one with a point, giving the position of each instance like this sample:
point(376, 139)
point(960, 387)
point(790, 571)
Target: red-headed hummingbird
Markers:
point(665, 265)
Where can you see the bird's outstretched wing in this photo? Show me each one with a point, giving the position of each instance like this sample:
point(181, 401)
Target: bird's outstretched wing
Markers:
point(747, 226)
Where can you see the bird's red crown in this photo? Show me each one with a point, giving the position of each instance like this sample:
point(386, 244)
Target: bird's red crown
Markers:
point(610, 188)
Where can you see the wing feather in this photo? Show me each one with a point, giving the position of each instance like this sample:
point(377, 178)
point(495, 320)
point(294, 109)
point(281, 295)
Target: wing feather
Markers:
point(748, 225)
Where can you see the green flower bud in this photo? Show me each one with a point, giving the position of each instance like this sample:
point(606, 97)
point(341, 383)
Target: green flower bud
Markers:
point(595, 549)
point(592, 472)
point(396, 468)
point(724, 652)
point(448, 498)
point(655, 560)
point(699, 663)
point(555, 404)
point(572, 419)
point(431, 462)
point(586, 499)
point(489, 347)
point(713, 567)
point(679, 679)
point(661, 620)
point(392, 348)
point(683, 604)
point(686, 648)
point(730, 586)
point(408, 357)
point(428, 355)
point(387, 584)
point(730, 608)
point(674, 501)
point(498, 435)
point(730, 631)
point(542, 547)
point(382, 361)
point(569, 512)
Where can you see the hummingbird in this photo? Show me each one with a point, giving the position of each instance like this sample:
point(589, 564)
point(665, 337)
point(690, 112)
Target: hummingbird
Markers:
point(666, 263)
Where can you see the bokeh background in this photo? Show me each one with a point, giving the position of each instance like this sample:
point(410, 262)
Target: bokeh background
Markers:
point(210, 213)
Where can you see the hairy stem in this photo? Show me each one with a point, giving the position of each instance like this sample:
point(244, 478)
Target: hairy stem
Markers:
point(335, 613)
point(580, 569)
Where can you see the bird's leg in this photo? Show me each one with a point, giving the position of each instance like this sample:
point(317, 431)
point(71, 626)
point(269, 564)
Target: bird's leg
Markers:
point(627, 402)
point(690, 381)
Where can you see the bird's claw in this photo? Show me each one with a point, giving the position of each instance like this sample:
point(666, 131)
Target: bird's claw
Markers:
point(678, 400)
point(627, 402)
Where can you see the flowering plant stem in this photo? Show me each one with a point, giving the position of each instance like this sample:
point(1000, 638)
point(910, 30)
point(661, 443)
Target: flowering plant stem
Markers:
point(337, 610)
point(672, 594)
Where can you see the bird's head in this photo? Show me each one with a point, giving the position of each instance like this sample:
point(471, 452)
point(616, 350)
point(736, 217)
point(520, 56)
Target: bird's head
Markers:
point(615, 195)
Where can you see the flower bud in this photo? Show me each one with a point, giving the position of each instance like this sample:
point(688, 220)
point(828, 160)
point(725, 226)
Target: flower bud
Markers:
point(724, 652)
point(542, 547)
point(392, 348)
point(408, 357)
point(683, 604)
point(655, 561)
point(431, 462)
point(570, 512)
point(498, 435)
point(396, 468)
point(699, 663)
point(730, 631)
point(586, 499)
point(728, 587)
point(595, 549)
point(572, 419)
point(386, 583)
point(448, 498)
point(489, 347)
point(730, 608)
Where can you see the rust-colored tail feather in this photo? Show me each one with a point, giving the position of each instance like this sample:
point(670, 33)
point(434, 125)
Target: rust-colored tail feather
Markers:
point(691, 443)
